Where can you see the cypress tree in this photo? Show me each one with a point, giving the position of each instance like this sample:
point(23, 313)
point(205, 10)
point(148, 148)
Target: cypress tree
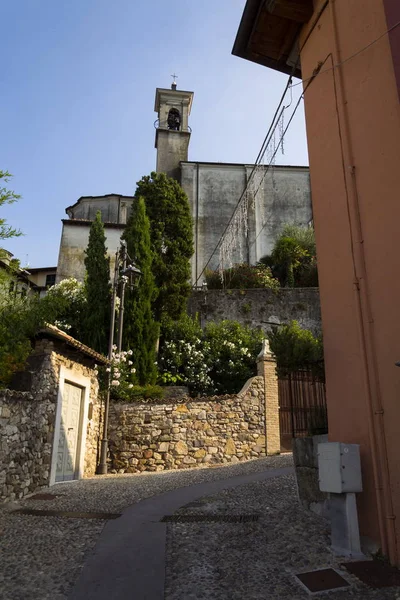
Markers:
point(171, 232)
point(140, 329)
point(98, 289)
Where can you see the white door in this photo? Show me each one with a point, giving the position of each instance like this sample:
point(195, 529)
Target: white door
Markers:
point(69, 436)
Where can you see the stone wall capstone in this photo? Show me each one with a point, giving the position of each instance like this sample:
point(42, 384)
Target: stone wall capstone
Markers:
point(191, 433)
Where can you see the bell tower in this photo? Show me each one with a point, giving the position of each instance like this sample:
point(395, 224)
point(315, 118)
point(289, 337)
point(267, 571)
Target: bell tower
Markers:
point(172, 129)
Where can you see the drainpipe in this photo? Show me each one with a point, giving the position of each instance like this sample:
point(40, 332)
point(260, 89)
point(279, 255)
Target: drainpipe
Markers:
point(375, 411)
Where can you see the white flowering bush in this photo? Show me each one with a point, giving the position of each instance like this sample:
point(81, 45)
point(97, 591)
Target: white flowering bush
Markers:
point(185, 363)
point(65, 306)
point(123, 382)
point(233, 354)
point(218, 360)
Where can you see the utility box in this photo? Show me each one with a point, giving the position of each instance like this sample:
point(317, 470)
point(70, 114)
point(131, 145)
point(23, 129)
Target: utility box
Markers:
point(339, 468)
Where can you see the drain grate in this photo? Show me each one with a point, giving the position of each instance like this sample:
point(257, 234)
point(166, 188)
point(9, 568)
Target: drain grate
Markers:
point(322, 580)
point(210, 518)
point(375, 573)
point(66, 513)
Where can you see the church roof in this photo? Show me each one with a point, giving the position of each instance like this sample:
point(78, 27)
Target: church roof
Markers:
point(98, 197)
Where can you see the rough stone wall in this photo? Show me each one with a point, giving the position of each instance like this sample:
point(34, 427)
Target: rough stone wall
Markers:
point(26, 434)
point(259, 307)
point(306, 465)
point(27, 420)
point(219, 429)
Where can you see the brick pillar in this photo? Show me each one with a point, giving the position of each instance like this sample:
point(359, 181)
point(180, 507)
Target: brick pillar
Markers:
point(266, 367)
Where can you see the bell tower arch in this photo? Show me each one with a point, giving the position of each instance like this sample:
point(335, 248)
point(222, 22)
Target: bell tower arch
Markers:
point(172, 129)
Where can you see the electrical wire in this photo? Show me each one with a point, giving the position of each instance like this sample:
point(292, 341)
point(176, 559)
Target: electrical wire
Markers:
point(289, 85)
point(260, 155)
point(339, 64)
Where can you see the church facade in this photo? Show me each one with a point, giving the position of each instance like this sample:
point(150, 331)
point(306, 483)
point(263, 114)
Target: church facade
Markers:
point(213, 190)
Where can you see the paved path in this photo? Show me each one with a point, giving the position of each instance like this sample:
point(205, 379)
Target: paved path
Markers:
point(129, 558)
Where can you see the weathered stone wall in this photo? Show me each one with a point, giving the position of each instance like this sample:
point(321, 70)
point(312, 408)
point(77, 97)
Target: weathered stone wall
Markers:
point(27, 420)
point(26, 434)
point(306, 465)
point(261, 308)
point(219, 429)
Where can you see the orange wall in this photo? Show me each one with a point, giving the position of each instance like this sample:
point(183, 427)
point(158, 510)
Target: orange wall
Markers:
point(353, 129)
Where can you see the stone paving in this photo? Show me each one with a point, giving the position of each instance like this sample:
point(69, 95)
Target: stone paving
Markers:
point(256, 560)
point(42, 557)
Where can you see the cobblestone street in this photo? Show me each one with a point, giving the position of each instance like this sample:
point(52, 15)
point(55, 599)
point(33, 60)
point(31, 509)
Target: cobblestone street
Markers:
point(42, 556)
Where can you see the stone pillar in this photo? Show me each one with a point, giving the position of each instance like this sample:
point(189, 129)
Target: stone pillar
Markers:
point(266, 367)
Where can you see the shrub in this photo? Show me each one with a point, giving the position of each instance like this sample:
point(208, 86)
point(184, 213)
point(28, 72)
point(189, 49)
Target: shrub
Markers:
point(183, 355)
point(242, 277)
point(296, 348)
point(232, 355)
point(65, 306)
point(138, 393)
point(218, 360)
point(293, 259)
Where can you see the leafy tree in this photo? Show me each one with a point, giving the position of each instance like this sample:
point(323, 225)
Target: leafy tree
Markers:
point(171, 234)
point(7, 197)
point(65, 306)
point(296, 348)
point(18, 320)
point(21, 316)
point(98, 290)
point(140, 329)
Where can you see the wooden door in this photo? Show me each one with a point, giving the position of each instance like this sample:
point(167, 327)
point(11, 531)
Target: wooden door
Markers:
point(70, 433)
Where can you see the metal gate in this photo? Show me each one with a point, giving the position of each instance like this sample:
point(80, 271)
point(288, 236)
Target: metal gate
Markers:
point(302, 402)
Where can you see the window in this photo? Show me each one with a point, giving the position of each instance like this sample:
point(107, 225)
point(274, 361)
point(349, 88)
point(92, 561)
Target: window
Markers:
point(50, 280)
point(174, 119)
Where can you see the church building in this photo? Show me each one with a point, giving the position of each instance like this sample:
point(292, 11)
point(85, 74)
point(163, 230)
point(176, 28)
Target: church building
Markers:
point(213, 189)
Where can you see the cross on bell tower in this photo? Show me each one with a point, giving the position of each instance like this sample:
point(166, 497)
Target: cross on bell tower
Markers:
point(172, 128)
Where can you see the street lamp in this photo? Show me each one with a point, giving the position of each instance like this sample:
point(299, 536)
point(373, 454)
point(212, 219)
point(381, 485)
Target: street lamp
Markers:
point(125, 271)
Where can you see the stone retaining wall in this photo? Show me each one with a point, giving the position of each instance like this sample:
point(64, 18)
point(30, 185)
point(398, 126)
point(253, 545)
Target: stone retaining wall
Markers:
point(307, 475)
point(261, 308)
point(213, 430)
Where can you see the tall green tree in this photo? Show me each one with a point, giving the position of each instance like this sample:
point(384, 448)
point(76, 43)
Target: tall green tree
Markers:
point(171, 234)
point(7, 197)
point(140, 329)
point(98, 290)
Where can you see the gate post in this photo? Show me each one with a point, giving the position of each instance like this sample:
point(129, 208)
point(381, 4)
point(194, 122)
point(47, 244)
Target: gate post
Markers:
point(266, 368)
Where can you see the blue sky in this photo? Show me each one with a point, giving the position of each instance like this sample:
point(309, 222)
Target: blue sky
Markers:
point(77, 85)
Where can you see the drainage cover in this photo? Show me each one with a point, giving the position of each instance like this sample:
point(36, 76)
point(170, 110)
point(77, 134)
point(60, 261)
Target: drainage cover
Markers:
point(66, 513)
point(210, 518)
point(322, 580)
point(375, 573)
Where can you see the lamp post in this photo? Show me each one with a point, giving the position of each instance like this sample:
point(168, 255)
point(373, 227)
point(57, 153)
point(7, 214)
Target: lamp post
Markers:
point(125, 271)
